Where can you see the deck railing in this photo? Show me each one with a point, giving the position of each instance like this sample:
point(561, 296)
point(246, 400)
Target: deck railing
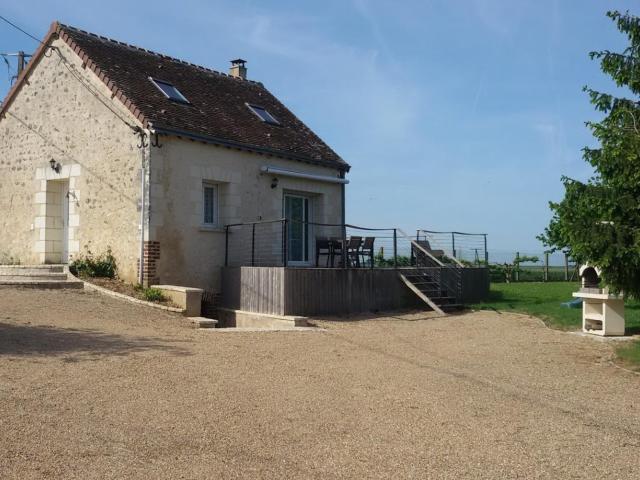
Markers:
point(289, 243)
point(284, 242)
point(470, 248)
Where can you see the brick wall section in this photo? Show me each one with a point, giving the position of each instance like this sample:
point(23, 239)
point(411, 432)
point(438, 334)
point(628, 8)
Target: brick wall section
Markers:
point(151, 257)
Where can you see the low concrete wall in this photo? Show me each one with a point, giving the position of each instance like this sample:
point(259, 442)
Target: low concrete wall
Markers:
point(187, 298)
point(241, 319)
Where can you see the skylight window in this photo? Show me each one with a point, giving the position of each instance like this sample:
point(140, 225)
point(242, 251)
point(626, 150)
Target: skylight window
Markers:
point(263, 114)
point(169, 90)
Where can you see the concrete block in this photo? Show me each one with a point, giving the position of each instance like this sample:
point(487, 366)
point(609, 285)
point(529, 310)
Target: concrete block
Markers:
point(40, 222)
point(243, 319)
point(74, 220)
point(187, 298)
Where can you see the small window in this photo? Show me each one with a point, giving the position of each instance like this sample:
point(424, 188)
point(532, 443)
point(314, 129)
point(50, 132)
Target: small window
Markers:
point(210, 196)
point(263, 114)
point(169, 90)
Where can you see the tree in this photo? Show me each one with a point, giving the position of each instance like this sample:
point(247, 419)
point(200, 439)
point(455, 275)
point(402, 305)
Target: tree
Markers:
point(598, 221)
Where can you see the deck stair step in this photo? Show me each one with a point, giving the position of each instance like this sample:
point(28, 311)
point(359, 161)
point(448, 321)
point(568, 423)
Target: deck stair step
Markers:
point(429, 290)
point(36, 276)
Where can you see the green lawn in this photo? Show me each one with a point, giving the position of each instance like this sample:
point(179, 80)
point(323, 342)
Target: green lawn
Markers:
point(543, 300)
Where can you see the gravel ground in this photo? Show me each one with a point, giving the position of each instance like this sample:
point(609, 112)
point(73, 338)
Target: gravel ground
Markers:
point(93, 387)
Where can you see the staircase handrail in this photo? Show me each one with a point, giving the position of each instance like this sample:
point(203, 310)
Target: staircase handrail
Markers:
point(456, 286)
point(420, 247)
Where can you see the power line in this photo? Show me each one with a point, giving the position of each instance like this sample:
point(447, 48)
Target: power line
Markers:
point(21, 30)
point(90, 88)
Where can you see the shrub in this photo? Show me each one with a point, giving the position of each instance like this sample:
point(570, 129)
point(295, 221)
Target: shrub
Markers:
point(103, 265)
point(153, 294)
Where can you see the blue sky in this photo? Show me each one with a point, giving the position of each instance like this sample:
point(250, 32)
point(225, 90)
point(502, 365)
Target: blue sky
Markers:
point(454, 114)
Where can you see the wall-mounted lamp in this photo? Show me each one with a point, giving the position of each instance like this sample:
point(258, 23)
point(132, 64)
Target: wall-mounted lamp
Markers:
point(274, 182)
point(55, 166)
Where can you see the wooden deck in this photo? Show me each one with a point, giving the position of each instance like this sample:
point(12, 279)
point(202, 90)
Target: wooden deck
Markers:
point(329, 291)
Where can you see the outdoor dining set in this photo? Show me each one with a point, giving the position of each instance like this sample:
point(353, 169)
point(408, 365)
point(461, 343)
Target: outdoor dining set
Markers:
point(355, 251)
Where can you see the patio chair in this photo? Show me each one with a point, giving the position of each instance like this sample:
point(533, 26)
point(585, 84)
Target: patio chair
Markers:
point(323, 247)
point(336, 251)
point(353, 251)
point(366, 252)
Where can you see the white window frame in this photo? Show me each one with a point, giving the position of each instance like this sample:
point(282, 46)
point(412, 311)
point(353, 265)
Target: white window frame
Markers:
point(216, 196)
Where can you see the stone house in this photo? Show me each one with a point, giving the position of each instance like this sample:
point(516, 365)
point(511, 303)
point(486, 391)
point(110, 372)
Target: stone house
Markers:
point(107, 145)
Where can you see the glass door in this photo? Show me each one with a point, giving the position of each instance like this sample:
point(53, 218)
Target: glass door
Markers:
point(297, 213)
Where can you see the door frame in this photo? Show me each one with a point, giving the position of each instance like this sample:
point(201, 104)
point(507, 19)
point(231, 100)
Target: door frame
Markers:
point(64, 253)
point(308, 241)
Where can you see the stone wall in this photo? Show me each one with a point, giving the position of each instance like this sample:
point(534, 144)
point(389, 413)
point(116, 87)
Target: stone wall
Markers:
point(192, 254)
point(58, 118)
point(55, 117)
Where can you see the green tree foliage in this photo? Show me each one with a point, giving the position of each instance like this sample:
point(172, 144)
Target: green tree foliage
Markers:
point(598, 221)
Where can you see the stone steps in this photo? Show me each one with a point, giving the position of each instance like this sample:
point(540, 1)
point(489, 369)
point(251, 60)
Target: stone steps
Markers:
point(30, 269)
point(36, 276)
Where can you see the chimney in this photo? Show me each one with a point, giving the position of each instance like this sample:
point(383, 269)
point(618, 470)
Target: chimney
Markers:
point(238, 69)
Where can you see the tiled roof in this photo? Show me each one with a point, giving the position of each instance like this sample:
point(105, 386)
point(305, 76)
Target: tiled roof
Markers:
point(217, 111)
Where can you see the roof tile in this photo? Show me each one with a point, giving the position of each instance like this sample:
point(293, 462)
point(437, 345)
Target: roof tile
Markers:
point(217, 101)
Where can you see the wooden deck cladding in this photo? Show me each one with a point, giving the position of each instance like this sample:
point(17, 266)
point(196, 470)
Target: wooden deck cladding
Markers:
point(329, 291)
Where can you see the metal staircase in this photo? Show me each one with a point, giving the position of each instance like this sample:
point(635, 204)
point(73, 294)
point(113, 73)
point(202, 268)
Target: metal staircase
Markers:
point(436, 283)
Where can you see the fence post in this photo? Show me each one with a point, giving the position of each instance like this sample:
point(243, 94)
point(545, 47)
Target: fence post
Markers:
point(253, 245)
point(284, 243)
point(546, 266)
point(453, 244)
point(395, 248)
point(566, 267)
point(226, 246)
point(344, 247)
point(517, 269)
point(486, 252)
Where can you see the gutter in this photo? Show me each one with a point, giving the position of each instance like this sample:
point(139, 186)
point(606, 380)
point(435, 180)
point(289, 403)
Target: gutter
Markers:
point(245, 146)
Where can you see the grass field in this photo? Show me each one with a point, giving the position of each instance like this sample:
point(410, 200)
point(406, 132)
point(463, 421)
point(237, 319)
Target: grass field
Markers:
point(544, 300)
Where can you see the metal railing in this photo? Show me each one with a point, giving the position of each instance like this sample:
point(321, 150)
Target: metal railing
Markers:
point(289, 243)
point(284, 242)
point(446, 273)
point(462, 246)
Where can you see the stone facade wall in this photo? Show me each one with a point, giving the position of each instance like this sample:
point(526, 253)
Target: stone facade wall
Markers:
point(55, 117)
point(58, 118)
point(192, 254)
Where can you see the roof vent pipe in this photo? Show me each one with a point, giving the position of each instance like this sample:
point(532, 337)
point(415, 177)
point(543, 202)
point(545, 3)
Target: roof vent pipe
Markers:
point(238, 69)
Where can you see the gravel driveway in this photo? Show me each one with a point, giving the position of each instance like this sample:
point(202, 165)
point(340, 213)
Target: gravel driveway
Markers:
point(93, 387)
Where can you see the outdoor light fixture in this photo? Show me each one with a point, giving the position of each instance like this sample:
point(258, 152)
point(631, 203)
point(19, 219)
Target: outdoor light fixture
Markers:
point(55, 166)
point(274, 182)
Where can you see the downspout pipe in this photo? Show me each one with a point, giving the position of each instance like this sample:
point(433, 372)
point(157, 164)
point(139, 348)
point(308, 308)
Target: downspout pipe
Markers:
point(143, 146)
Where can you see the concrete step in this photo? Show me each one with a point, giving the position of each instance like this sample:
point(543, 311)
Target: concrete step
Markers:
point(30, 269)
point(32, 277)
point(40, 284)
point(202, 322)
